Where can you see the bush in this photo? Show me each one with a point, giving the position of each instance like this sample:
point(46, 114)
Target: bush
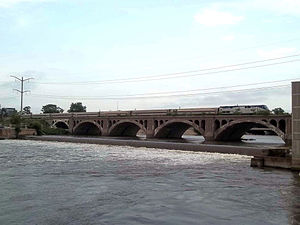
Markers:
point(37, 126)
point(42, 127)
point(15, 119)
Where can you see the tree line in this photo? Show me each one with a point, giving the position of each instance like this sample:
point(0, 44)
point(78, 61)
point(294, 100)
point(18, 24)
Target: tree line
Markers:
point(41, 126)
point(52, 108)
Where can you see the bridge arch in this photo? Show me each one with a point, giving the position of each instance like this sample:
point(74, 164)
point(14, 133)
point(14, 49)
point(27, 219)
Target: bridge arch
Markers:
point(127, 128)
point(61, 124)
point(234, 130)
point(175, 129)
point(87, 128)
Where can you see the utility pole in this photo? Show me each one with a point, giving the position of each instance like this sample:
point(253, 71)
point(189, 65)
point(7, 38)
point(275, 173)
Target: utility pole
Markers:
point(22, 89)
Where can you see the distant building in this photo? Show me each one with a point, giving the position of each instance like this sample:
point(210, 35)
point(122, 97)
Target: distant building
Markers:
point(7, 112)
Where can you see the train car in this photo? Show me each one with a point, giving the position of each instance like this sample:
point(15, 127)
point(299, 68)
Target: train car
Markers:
point(174, 112)
point(243, 109)
point(149, 112)
point(197, 111)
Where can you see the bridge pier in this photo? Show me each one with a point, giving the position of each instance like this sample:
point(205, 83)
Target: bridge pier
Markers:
point(288, 134)
point(150, 129)
point(209, 130)
point(296, 125)
point(105, 128)
point(71, 125)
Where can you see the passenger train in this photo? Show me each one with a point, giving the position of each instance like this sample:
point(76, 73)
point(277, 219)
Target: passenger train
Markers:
point(237, 109)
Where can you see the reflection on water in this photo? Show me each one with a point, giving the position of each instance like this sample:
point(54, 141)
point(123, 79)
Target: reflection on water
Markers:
point(247, 140)
point(66, 183)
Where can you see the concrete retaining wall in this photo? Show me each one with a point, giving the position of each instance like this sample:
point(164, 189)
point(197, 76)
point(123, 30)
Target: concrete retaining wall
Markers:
point(9, 133)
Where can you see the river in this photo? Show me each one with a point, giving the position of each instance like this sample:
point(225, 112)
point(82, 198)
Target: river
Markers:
point(68, 183)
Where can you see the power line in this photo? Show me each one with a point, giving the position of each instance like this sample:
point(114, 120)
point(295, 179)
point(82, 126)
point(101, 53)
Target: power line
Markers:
point(22, 80)
point(157, 96)
point(176, 74)
point(175, 92)
point(180, 74)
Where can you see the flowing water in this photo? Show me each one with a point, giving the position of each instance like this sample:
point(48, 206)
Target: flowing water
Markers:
point(67, 183)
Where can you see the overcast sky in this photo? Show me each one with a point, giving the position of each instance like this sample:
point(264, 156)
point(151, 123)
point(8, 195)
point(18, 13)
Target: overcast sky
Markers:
point(70, 47)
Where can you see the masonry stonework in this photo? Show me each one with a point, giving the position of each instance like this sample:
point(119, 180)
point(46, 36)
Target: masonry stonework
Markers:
point(211, 127)
point(296, 125)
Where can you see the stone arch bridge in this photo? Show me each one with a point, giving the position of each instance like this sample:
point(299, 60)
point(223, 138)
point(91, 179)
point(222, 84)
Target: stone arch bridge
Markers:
point(211, 127)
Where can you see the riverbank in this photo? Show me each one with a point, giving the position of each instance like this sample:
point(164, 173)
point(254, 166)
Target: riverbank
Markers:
point(227, 149)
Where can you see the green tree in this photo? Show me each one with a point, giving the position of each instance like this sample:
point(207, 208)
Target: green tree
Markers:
point(37, 125)
point(27, 110)
point(77, 107)
point(16, 120)
point(51, 108)
point(278, 111)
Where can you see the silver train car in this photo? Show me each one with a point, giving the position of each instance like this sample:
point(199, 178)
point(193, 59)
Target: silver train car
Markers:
point(242, 109)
